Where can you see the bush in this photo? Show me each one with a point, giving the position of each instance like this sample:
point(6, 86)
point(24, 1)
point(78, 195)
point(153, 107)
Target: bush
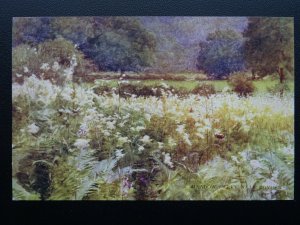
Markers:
point(54, 60)
point(241, 84)
point(204, 89)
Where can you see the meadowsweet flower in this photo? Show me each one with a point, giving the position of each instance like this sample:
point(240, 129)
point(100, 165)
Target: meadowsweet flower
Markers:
point(111, 124)
point(139, 128)
point(123, 140)
point(141, 148)
point(67, 93)
point(148, 116)
point(167, 159)
point(81, 143)
point(146, 139)
point(45, 66)
point(119, 154)
point(25, 69)
point(106, 133)
point(55, 66)
point(160, 145)
point(68, 72)
point(33, 129)
point(180, 129)
point(186, 139)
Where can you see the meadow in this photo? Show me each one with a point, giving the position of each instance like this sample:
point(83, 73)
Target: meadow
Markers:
point(153, 108)
point(70, 143)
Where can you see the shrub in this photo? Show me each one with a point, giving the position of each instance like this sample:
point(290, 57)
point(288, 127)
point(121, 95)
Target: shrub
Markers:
point(54, 60)
point(204, 89)
point(241, 84)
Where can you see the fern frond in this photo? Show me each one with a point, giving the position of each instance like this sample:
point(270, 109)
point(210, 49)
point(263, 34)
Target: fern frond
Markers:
point(19, 193)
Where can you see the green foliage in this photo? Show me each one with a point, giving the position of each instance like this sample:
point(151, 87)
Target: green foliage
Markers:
point(221, 54)
point(51, 60)
point(31, 30)
point(19, 193)
point(269, 45)
point(124, 45)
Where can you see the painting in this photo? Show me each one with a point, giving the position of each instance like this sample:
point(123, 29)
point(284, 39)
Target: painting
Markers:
point(152, 108)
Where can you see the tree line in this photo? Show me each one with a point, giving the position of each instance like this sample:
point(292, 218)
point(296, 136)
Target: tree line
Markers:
point(265, 46)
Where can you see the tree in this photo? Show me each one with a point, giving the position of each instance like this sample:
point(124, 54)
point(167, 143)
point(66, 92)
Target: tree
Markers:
point(269, 46)
point(122, 45)
point(31, 30)
point(221, 53)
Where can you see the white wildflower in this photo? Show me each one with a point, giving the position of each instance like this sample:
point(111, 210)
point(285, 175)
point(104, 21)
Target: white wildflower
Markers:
point(139, 128)
point(45, 66)
point(140, 148)
point(106, 133)
point(111, 124)
point(167, 159)
point(33, 129)
point(160, 145)
point(119, 154)
point(148, 116)
point(81, 143)
point(122, 140)
point(67, 93)
point(25, 69)
point(55, 66)
point(186, 139)
point(146, 139)
point(180, 129)
point(19, 75)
